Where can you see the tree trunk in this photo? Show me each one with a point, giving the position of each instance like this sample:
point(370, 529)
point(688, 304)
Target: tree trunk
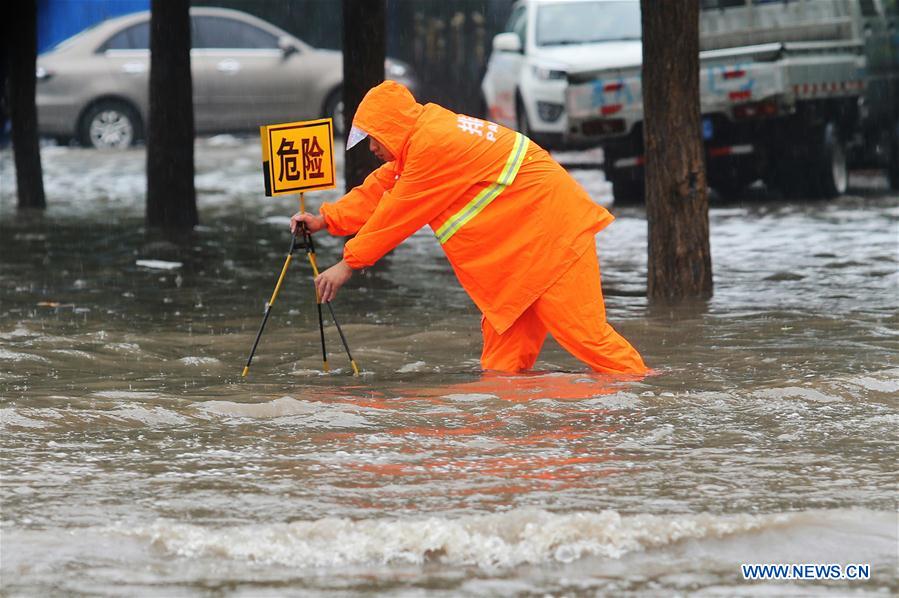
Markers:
point(20, 51)
point(171, 197)
point(364, 49)
point(677, 206)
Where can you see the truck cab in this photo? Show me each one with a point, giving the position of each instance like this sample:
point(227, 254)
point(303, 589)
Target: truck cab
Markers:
point(794, 92)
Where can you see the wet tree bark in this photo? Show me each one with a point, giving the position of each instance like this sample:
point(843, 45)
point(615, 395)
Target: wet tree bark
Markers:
point(364, 50)
point(20, 56)
point(677, 206)
point(171, 197)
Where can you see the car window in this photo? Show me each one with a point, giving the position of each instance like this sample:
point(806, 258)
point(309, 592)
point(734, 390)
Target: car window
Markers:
point(135, 37)
point(222, 32)
point(71, 41)
point(585, 22)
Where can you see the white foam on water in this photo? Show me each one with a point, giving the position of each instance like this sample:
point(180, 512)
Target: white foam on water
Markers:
point(127, 394)
point(303, 413)
point(158, 264)
point(807, 394)
point(307, 372)
point(7, 355)
point(278, 408)
point(73, 353)
point(277, 220)
point(10, 417)
point(471, 397)
point(653, 439)
point(126, 412)
point(152, 417)
point(126, 347)
point(502, 540)
point(223, 140)
point(886, 381)
point(191, 360)
point(19, 332)
point(619, 400)
point(890, 420)
point(415, 366)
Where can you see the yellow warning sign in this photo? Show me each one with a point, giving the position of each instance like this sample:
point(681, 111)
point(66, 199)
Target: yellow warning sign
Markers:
point(298, 156)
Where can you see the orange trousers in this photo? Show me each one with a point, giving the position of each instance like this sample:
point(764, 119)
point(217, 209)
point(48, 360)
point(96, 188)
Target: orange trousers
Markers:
point(573, 311)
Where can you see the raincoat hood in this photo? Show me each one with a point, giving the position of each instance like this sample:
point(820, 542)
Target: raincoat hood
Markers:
point(388, 113)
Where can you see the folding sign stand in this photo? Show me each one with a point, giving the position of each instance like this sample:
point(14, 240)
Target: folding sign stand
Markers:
point(296, 157)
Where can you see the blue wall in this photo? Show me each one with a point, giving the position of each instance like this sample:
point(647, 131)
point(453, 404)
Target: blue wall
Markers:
point(58, 20)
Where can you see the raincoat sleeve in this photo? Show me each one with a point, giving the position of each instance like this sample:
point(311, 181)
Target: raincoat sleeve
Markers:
point(347, 215)
point(428, 185)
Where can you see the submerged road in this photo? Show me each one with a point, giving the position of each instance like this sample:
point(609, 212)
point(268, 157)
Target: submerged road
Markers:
point(136, 460)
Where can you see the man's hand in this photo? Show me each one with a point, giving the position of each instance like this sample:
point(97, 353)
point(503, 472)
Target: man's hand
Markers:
point(313, 223)
point(329, 282)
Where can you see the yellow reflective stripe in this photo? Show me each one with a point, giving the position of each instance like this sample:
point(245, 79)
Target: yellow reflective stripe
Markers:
point(516, 157)
point(472, 209)
point(483, 199)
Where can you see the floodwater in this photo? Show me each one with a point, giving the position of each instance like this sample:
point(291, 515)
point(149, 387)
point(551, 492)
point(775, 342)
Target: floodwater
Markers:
point(137, 461)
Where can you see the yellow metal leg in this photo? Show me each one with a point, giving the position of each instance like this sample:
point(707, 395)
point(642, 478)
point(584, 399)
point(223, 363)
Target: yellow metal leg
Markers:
point(268, 310)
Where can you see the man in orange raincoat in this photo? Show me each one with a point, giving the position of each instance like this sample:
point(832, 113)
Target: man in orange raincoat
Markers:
point(516, 228)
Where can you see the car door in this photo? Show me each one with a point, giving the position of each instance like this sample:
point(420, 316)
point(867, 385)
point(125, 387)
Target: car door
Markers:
point(127, 56)
point(244, 70)
point(505, 68)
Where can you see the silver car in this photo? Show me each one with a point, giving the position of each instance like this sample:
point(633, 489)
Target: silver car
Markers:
point(246, 72)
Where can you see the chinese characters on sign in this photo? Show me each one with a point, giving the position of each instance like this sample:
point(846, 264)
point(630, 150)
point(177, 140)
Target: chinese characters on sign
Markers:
point(312, 158)
point(297, 156)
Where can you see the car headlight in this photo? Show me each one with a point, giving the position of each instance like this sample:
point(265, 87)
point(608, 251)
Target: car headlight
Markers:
point(547, 73)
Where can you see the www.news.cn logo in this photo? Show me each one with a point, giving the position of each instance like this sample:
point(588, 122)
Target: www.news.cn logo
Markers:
point(806, 571)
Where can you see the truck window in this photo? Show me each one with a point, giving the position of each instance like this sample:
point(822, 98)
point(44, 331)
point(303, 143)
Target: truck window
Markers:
point(869, 8)
point(586, 22)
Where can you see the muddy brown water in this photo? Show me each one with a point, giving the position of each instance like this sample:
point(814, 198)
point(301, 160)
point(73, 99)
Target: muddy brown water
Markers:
point(136, 461)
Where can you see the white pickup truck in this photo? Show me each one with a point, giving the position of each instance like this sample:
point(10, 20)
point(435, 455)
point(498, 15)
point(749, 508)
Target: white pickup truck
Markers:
point(524, 85)
point(793, 92)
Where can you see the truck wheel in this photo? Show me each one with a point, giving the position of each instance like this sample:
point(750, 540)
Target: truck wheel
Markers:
point(109, 124)
point(829, 176)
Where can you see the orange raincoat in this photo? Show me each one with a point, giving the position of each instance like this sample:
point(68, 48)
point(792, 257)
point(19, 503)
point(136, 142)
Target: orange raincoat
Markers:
point(510, 235)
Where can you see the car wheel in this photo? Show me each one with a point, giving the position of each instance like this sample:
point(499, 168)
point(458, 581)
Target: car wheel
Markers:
point(334, 111)
point(110, 124)
point(521, 118)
